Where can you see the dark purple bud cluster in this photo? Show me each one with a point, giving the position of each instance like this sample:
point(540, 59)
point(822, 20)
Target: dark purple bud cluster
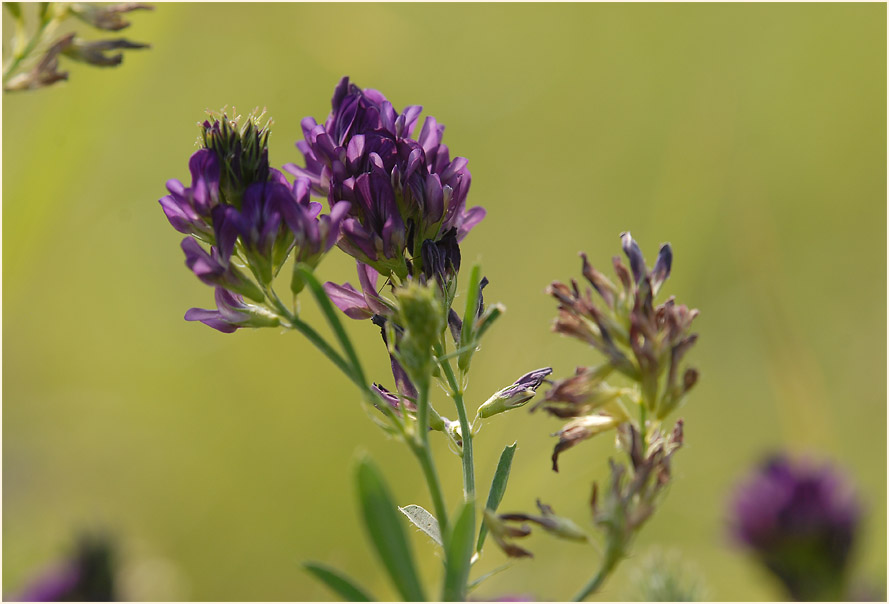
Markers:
point(408, 198)
point(800, 520)
point(244, 209)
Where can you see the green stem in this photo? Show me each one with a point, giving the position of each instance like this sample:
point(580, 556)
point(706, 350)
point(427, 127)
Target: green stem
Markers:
point(465, 430)
point(332, 319)
point(420, 449)
point(22, 54)
point(321, 344)
point(608, 563)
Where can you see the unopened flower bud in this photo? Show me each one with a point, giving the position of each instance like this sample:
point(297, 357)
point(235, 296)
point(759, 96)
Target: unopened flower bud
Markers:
point(419, 311)
point(516, 395)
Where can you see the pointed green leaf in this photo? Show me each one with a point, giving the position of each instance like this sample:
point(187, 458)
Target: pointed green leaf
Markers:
point(459, 555)
point(498, 488)
point(423, 520)
point(338, 582)
point(467, 337)
point(386, 531)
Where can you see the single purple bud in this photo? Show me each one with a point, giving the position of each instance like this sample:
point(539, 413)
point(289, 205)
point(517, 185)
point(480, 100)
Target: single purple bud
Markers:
point(106, 17)
point(800, 521)
point(516, 395)
point(661, 269)
point(634, 254)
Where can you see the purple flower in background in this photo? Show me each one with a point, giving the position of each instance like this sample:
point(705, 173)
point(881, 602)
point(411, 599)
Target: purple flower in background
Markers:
point(800, 521)
point(87, 576)
point(404, 193)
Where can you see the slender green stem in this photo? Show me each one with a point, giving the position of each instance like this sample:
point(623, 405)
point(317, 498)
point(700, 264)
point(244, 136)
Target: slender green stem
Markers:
point(612, 557)
point(421, 448)
point(424, 455)
point(46, 26)
point(465, 429)
point(332, 319)
point(321, 344)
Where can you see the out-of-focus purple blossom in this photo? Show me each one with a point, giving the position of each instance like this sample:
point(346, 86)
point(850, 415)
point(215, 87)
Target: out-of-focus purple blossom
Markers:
point(800, 520)
point(88, 576)
point(403, 192)
point(232, 313)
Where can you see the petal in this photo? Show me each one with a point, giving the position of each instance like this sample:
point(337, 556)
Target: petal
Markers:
point(348, 299)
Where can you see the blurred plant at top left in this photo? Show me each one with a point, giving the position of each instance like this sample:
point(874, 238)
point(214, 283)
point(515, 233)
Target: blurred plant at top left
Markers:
point(34, 58)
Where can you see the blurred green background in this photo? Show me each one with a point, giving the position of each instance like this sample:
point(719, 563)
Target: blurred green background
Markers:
point(752, 137)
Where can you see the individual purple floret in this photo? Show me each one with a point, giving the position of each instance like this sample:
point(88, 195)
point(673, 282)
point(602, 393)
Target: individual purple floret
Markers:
point(404, 193)
point(231, 313)
point(188, 208)
point(214, 269)
point(800, 520)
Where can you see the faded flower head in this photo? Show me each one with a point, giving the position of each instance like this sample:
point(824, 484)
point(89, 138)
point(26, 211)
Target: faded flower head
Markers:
point(29, 71)
point(641, 341)
point(633, 492)
point(800, 520)
point(408, 199)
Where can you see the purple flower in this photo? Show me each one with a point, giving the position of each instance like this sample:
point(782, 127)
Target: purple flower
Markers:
point(232, 313)
point(800, 520)
point(87, 576)
point(188, 208)
point(214, 269)
point(403, 192)
point(359, 304)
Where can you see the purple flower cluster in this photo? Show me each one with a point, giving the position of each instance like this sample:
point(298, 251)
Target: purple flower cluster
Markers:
point(240, 206)
point(407, 197)
point(800, 520)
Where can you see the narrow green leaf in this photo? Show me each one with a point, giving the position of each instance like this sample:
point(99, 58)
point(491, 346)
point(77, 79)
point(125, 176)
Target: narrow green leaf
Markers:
point(459, 555)
point(386, 531)
point(423, 520)
point(330, 313)
point(498, 488)
point(338, 582)
point(487, 576)
point(467, 337)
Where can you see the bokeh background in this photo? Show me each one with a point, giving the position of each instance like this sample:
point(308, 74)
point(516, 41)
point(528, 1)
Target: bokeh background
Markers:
point(752, 137)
